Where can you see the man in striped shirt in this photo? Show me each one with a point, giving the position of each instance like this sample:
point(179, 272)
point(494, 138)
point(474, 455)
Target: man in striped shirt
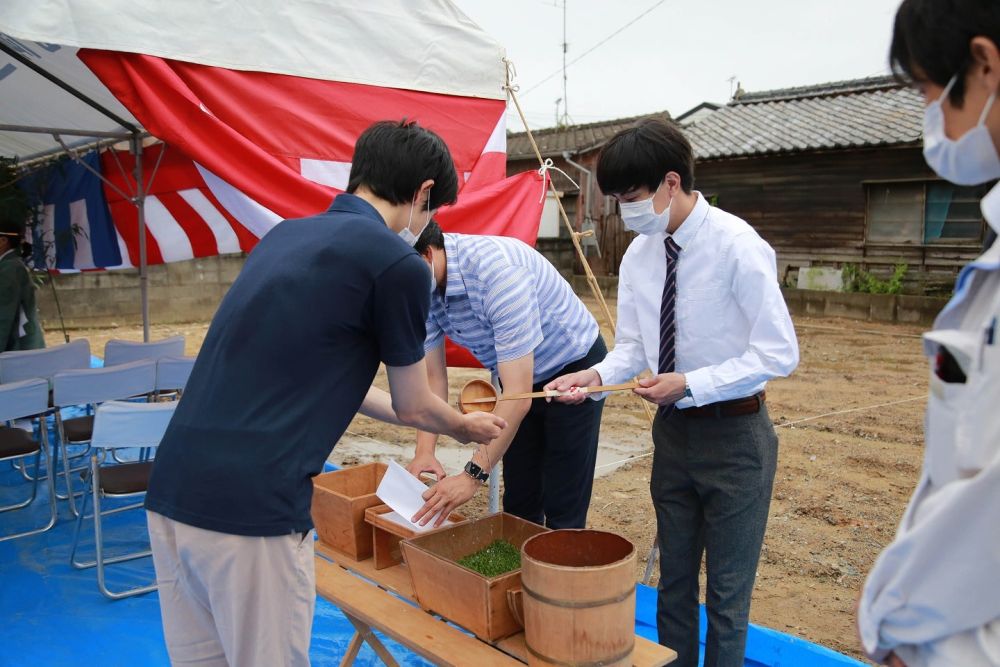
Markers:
point(511, 309)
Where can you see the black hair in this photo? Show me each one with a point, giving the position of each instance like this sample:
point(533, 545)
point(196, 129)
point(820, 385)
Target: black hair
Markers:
point(930, 40)
point(431, 237)
point(392, 159)
point(11, 229)
point(641, 156)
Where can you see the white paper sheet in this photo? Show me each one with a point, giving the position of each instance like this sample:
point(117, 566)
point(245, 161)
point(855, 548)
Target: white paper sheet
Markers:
point(395, 518)
point(403, 493)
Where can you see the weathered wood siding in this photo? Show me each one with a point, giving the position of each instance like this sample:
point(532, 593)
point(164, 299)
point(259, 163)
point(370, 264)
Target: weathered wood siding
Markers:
point(811, 207)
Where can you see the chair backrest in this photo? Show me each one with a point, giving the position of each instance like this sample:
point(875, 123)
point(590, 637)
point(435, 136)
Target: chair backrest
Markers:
point(124, 351)
point(44, 363)
point(96, 385)
point(122, 424)
point(26, 398)
point(173, 372)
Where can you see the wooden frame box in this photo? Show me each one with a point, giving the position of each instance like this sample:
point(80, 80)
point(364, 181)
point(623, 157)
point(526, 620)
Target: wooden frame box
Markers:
point(387, 534)
point(339, 501)
point(467, 598)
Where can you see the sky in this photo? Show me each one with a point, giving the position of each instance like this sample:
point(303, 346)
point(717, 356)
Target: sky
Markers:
point(677, 53)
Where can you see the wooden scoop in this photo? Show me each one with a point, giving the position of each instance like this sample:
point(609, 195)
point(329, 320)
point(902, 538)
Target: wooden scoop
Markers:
point(481, 396)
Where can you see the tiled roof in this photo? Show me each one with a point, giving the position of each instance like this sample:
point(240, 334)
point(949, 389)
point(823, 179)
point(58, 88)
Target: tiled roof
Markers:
point(845, 114)
point(553, 141)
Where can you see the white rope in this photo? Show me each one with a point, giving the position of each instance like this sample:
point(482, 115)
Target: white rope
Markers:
point(867, 331)
point(368, 437)
point(797, 421)
point(843, 412)
point(546, 167)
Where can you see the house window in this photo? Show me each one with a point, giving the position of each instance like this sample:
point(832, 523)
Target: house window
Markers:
point(931, 212)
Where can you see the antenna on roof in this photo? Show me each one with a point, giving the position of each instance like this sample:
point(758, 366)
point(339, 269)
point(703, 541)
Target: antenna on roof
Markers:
point(564, 119)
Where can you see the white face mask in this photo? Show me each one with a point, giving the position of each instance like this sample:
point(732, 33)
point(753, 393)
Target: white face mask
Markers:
point(972, 158)
point(434, 280)
point(409, 236)
point(642, 218)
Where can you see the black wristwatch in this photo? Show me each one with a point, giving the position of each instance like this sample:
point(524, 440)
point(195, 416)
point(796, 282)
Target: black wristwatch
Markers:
point(476, 473)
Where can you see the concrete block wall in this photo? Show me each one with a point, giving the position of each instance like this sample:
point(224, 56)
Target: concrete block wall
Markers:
point(179, 292)
point(191, 292)
point(872, 307)
point(851, 305)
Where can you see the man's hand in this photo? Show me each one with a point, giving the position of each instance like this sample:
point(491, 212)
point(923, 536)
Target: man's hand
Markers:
point(481, 427)
point(587, 378)
point(662, 389)
point(442, 498)
point(422, 463)
point(893, 661)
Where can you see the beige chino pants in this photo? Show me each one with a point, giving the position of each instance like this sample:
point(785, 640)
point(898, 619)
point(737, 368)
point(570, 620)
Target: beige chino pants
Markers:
point(231, 600)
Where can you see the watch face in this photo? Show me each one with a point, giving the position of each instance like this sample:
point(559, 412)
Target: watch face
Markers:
point(476, 472)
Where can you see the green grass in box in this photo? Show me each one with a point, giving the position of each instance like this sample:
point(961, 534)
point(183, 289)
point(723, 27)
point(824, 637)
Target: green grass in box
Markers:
point(498, 558)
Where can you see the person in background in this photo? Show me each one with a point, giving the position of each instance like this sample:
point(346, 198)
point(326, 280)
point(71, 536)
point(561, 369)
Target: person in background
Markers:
point(19, 326)
point(509, 306)
point(933, 596)
point(287, 362)
point(699, 303)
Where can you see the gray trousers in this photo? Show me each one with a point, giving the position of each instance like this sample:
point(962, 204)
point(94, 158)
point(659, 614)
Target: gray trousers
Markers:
point(711, 488)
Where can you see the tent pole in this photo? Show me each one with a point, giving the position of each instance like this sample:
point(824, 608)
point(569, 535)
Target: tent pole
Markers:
point(140, 205)
point(68, 88)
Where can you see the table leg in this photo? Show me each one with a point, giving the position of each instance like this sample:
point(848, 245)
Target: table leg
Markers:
point(364, 632)
point(352, 650)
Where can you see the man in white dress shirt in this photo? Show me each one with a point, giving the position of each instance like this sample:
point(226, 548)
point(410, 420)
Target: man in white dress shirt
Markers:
point(700, 305)
point(933, 597)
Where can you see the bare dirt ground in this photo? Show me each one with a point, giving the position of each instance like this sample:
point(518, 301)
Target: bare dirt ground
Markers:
point(843, 480)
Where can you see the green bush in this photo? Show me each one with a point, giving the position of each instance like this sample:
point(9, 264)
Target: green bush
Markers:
point(857, 280)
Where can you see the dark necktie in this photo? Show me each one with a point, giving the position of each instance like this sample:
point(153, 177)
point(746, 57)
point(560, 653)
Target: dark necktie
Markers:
point(668, 310)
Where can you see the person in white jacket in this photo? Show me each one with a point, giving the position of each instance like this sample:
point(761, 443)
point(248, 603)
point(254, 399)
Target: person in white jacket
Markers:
point(933, 597)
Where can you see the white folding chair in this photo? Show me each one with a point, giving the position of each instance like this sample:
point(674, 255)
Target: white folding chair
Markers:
point(120, 424)
point(172, 374)
point(93, 386)
point(125, 351)
point(43, 363)
point(19, 400)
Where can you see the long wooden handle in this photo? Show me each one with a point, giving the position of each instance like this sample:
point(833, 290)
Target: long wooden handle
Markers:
point(554, 394)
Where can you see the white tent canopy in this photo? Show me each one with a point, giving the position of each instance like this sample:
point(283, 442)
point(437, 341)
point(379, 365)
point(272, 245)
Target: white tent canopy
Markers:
point(425, 46)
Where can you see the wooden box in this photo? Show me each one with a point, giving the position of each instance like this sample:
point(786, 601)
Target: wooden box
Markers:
point(467, 598)
point(340, 499)
point(387, 534)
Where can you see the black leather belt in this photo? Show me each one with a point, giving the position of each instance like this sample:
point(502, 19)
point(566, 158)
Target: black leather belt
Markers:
point(734, 408)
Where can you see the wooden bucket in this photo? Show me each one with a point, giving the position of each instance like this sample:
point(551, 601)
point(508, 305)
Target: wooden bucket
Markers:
point(579, 598)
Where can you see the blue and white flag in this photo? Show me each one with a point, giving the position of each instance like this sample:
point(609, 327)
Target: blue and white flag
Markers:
point(74, 229)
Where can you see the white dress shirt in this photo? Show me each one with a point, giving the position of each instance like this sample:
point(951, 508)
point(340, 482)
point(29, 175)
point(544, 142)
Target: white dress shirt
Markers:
point(733, 328)
point(933, 596)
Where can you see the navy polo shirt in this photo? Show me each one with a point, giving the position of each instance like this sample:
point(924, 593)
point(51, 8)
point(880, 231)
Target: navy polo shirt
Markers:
point(286, 363)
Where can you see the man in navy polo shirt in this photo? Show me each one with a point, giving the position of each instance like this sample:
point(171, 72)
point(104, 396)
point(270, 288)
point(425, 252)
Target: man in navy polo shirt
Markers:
point(287, 362)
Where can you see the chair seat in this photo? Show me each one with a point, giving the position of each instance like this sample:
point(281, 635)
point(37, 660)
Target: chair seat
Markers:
point(79, 429)
point(125, 478)
point(16, 442)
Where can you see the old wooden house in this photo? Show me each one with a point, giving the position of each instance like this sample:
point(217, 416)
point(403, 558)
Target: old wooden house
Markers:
point(830, 175)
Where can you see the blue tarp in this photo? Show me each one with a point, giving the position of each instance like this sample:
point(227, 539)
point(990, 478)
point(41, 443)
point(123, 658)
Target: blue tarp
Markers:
point(53, 615)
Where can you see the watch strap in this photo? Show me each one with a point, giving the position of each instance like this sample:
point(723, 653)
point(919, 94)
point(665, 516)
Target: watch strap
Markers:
point(475, 472)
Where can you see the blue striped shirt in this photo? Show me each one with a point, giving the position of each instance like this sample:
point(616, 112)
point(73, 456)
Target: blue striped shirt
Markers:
point(497, 290)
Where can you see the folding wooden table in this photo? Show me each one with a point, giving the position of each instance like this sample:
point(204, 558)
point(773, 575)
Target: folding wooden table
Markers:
point(368, 598)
